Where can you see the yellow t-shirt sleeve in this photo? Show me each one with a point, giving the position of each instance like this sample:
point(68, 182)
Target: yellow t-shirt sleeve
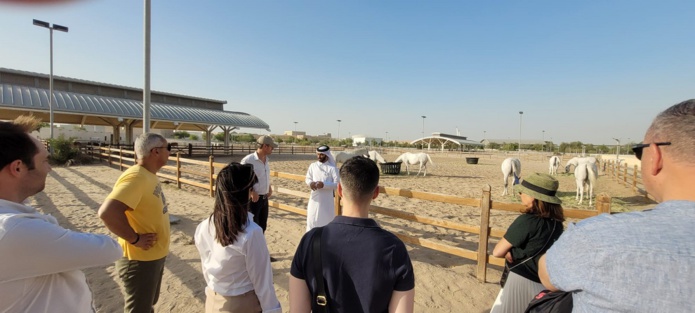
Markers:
point(128, 189)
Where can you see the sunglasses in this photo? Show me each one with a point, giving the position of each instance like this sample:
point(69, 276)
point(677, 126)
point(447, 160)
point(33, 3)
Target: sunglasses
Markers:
point(637, 149)
point(168, 147)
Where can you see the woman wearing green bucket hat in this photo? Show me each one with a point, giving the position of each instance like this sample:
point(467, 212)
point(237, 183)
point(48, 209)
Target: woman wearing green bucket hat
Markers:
point(526, 239)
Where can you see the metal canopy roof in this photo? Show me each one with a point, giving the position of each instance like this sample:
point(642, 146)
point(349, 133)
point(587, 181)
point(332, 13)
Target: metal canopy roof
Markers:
point(442, 139)
point(86, 109)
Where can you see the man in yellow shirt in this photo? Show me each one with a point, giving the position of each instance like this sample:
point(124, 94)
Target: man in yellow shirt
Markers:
point(136, 212)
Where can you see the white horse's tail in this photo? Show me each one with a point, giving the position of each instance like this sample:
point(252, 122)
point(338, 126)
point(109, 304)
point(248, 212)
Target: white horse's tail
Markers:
point(592, 173)
point(429, 160)
point(515, 171)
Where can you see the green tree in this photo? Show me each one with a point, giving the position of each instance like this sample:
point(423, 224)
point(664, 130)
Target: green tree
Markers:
point(181, 135)
point(42, 125)
point(602, 149)
point(219, 137)
point(245, 138)
point(194, 137)
point(63, 149)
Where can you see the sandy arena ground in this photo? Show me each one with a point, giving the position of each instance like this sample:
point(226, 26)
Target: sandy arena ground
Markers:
point(444, 283)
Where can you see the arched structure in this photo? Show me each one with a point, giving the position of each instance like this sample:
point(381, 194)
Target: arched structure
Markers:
point(443, 139)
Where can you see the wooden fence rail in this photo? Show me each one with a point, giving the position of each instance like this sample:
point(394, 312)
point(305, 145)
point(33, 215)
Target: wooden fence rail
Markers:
point(627, 176)
point(206, 174)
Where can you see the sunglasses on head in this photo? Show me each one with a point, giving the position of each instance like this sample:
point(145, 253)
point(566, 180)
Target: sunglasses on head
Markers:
point(637, 149)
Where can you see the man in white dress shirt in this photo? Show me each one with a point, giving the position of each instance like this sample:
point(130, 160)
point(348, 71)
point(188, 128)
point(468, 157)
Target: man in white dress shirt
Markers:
point(322, 178)
point(41, 261)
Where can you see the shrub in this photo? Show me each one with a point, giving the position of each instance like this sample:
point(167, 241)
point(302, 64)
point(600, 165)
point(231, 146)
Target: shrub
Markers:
point(63, 149)
point(181, 135)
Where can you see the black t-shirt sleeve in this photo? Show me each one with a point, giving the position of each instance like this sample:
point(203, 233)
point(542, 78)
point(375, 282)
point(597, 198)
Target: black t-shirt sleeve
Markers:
point(298, 266)
point(403, 269)
point(518, 232)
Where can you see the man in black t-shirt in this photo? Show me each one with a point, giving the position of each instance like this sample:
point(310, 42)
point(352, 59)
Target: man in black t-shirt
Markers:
point(365, 268)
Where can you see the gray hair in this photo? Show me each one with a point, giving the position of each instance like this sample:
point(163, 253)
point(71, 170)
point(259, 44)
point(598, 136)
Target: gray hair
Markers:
point(146, 142)
point(676, 125)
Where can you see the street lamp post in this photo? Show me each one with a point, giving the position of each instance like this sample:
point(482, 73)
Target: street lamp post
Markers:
point(521, 113)
point(484, 137)
point(544, 141)
point(339, 131)
point(423, 131)
point(50, 77)
point(295, 126)
point(617, 149)
point(387, 138)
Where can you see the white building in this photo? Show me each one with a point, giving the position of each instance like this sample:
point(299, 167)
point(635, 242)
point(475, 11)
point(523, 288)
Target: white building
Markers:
point(362, 140)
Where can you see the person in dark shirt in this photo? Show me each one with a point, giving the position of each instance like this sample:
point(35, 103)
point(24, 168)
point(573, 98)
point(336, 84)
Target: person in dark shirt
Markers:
point(365, 268)
point(526, 239)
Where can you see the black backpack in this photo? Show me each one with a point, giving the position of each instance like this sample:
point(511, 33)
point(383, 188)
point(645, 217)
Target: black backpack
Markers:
point(551, 302)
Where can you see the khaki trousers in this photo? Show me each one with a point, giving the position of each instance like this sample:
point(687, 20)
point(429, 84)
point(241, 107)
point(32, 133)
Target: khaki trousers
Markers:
point(245, 303)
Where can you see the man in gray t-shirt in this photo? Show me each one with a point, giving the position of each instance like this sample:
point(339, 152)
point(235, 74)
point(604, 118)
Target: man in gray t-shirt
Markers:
point(638, 261)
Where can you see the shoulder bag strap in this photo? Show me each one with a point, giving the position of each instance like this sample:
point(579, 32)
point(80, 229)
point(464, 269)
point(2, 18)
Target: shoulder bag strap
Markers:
point(321, 299)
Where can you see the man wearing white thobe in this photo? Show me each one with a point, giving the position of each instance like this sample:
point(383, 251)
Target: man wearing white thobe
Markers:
point(322, 178)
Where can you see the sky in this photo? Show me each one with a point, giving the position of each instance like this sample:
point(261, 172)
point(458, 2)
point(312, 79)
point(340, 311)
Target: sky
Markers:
point(586, 71)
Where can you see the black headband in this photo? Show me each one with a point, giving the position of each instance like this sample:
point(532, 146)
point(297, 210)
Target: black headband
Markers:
point(538, 189)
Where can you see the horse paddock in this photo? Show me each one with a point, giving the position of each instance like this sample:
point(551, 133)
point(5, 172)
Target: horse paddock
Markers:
point(444, 282)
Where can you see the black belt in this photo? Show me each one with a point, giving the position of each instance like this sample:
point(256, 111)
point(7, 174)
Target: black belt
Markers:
point(262, 196)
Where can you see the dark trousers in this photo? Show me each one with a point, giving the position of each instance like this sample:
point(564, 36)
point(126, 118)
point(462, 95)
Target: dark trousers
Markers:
point(141, 281)
point(260, 211)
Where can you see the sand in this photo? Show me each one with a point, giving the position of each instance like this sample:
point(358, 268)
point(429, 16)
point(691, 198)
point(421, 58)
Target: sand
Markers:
point(444, 283)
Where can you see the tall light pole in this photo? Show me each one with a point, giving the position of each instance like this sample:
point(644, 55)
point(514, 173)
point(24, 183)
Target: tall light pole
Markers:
point(50, 77)
point(617, 149)
point(484, 137)
point(387, 138)
point(146, 93)
point(521, 114)
point(544, 141)
point(423, 131)
point(339, 131)
point(295, 126)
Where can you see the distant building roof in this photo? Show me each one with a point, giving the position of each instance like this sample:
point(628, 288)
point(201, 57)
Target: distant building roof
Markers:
point(87, 109)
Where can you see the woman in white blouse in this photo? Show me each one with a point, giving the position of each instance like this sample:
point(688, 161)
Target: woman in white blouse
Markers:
point(233, 251)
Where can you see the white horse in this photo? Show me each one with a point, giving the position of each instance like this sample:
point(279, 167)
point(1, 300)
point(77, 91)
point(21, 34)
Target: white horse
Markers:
point(585, 175)
point(376, 157)
point(343, 156)
point(577, 160)
point(415, 158)
point(553, 163)
point(510, 166)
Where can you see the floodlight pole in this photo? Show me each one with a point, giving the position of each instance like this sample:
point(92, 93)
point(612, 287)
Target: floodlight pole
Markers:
point(423, 132)
point(521, 114)
point(617, 149)
point(146, 88)
point(339, 131)
point(50, 76)
point(544, 141)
